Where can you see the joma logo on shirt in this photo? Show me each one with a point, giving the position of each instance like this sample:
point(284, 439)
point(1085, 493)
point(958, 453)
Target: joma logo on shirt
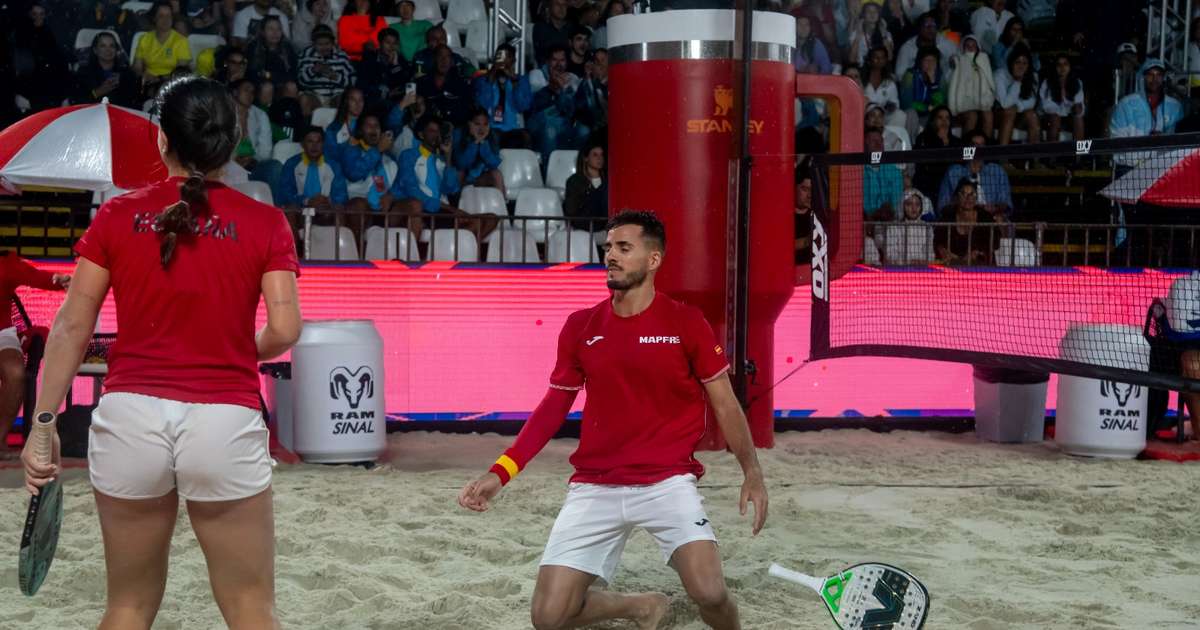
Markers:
point(658, 339)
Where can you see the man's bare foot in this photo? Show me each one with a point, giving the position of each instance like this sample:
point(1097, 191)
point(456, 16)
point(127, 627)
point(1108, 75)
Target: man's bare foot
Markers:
point(653, 608)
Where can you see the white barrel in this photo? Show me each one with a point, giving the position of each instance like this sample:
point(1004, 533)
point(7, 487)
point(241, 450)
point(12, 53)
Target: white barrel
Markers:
point(338, 384)
point(1102, 418)
point(1183, 305)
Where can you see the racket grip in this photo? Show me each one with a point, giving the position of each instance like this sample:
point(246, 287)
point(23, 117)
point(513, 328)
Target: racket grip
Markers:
point(41, 437)
point(795, 576)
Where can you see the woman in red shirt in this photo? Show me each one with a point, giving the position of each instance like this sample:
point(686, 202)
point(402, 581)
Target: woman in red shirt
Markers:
point(359, 27)
point(188, 260)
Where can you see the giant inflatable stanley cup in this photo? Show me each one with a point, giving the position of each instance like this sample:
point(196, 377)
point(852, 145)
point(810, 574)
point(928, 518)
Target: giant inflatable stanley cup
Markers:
point(673, 133)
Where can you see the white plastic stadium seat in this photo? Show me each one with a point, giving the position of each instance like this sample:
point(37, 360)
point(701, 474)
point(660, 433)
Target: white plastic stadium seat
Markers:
point(444, 246)
point(1017, 253)
point(83, 39)
point(463, 12)
point(323, 116)
point(200, 43)
point(138, 7)
point(284, 150)
point(428, 10)
point(326, 246)
point(477, 40)
point(561, 167)
point(539, 202)
point(483, 200)
point(511, 245)
point(577, 246)
point(133, 46)
point(390, 244)
point(257, 191)
point(521, 169)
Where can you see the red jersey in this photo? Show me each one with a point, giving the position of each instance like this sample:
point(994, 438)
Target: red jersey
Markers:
point(17, 272)
point(646, 410)
point(186, 333)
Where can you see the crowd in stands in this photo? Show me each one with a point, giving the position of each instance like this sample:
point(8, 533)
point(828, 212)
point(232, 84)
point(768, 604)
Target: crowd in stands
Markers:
point(406, 117)
point(952, 73)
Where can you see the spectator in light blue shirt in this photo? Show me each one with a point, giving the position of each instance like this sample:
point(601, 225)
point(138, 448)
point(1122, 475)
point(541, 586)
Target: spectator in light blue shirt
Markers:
point(883, 184)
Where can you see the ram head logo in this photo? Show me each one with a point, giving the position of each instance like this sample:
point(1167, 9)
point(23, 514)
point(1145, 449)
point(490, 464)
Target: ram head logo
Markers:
point(723, 95)
point(352, 386)
point(1120, 391)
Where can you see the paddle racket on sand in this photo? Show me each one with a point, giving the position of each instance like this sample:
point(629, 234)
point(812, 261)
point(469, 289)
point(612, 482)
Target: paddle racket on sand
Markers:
point(867, 596)
point(44, 517)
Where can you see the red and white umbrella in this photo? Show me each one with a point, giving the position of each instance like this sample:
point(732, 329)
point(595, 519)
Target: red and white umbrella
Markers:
point(85, 147)
point(1170, 179)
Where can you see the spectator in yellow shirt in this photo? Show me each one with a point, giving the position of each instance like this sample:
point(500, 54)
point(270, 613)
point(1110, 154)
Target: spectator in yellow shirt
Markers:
point(162, 50)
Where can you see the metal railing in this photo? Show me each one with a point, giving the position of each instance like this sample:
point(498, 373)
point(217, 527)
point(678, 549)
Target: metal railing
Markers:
point(1032, 244)
point(350, 236)
point(49, 229)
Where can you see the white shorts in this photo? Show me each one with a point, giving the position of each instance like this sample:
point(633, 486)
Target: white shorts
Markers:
point(9, 339)
point(140, 447)
point(590, 532)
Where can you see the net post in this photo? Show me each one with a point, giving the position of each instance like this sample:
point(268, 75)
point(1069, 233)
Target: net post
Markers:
point(742, 271)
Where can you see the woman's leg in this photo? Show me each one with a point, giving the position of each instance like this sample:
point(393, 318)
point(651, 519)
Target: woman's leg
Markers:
point(137, 544)
point(1053, 127)
point(1033, 126)
point(1008, 118)
point(989, 123)
point(238, 540)
point(1190, 367)
point(1077, 127)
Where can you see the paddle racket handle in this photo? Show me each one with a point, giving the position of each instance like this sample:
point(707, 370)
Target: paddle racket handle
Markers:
point(41, 437)
point(795, 576)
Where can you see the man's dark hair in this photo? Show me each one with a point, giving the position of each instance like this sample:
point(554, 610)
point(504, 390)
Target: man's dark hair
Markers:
point(425, 121)
point(387, 33)
point(977, 133)
point(432, 29)
point(311, 129)
point(562, 48)
point(652, 228)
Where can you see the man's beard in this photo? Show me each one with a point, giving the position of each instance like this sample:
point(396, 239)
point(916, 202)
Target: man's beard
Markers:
point(632, 280)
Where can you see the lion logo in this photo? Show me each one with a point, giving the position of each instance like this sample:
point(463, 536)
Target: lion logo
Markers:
point(723, 95)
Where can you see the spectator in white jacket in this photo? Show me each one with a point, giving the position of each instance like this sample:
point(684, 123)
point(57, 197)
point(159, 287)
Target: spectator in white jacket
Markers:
point(1017, 96)
point(988, 21)
point(1062, 100)
point(253, 152)
point(972, 87)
